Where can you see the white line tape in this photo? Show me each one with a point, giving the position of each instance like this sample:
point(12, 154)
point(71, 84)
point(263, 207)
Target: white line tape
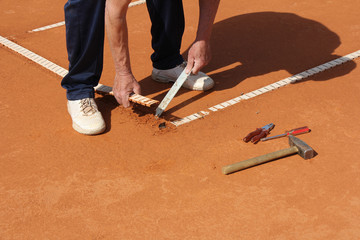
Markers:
point(257, 92)
point(237, 99)
point(225, 104)
point(218, 107)
point(232, 102)
point(62, 72)
point(48, 27)
point(34, 57)
point(245, 97)
point(59, 24)
point(137, 3)
point(281, 83)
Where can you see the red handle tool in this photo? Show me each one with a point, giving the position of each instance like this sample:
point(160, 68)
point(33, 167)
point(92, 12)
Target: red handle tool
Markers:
point(259, 133)
point(292, 132)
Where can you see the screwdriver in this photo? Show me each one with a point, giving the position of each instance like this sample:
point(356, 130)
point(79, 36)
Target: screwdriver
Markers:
point(292, 132)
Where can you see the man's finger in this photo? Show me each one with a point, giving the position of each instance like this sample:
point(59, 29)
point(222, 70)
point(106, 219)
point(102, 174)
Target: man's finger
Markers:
point(118, 99)
point(189, 65)
point(197, 67)
point(125, 100)
point(137, 89)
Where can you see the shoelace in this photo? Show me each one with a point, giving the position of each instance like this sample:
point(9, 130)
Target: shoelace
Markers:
point(87, 107)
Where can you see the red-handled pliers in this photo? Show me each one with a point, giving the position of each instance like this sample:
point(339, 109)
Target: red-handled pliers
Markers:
point(259, 133)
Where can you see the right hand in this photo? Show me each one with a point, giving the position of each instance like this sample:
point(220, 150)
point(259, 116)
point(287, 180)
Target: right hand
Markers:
point(199, 56)
point(124, 85)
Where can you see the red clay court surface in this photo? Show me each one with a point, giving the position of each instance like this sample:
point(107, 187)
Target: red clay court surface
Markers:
point(139, 182)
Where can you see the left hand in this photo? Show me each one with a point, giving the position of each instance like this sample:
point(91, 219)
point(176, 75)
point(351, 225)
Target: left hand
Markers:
point(199, 56)
point(124, 85)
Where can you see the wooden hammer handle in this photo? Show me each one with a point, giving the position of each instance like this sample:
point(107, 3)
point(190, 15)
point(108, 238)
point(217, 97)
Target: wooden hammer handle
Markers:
point(258, 160)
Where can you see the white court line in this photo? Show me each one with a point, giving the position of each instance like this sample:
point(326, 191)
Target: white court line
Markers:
point(136, 3)
point(48, 27)
point(34, 57)
point(273, 86)
point(297, 77)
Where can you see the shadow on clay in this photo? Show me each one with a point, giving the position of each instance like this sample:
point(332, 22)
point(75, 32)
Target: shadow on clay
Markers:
point(256, 44)
point(106, 104)
point(259, 43)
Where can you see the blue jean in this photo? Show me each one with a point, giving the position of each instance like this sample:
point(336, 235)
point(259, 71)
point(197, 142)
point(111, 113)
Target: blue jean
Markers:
point(84, 21)
point(167, 19)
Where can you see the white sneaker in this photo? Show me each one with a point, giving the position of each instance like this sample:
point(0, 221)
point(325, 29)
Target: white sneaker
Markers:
point(198, 82)
point(85, 116)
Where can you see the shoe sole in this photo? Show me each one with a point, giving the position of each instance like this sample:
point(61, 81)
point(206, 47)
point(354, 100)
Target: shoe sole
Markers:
point(161, 79)
point(166, 80)
point(87, 132)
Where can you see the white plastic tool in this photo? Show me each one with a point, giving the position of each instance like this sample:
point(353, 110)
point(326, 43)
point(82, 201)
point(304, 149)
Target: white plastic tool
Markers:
point(171, 93)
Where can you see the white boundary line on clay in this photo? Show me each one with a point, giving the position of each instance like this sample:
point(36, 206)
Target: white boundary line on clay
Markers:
point(268, 88)
point(139, 2)
point(63, 22)
point(297, 77)
point(48, 27)
point(34, 57)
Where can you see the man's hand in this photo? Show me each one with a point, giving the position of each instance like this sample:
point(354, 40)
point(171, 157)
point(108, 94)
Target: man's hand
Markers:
point(200, 53)
point(116, 26)
point(199, 56)
point(124, 85)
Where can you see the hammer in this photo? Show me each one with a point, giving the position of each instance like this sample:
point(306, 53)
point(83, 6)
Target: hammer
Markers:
point(296, 146)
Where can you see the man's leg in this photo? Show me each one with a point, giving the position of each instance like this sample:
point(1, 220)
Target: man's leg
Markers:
point(167, 18)
point(84, 20)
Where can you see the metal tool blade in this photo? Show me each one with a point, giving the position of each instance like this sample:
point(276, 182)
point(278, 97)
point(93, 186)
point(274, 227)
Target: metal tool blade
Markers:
point(293, 132)
point(274, 137)
point(269, 127)
point(171, 93)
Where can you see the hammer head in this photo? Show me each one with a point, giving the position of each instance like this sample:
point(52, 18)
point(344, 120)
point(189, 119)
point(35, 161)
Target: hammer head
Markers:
point(304, 150)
